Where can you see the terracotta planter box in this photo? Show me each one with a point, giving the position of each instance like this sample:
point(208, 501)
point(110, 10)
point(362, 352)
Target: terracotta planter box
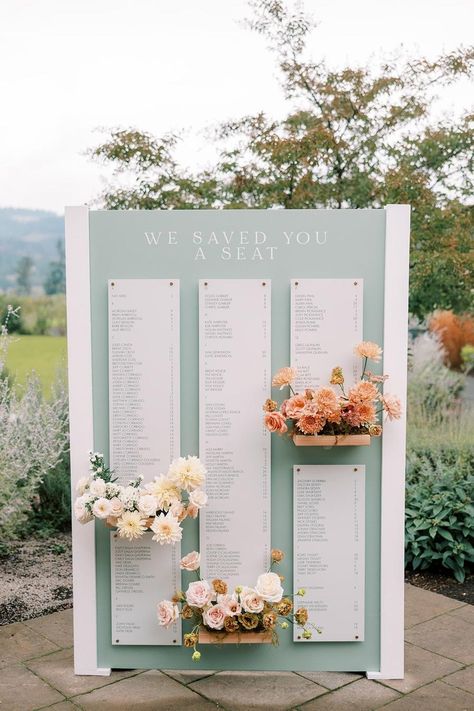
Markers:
point(218, 637)
point(354, 440)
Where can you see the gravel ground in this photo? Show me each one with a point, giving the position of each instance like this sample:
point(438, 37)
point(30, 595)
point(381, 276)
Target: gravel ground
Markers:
point(35, 578)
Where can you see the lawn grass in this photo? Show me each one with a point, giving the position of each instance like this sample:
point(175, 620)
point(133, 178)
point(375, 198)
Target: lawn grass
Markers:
point(42, 354)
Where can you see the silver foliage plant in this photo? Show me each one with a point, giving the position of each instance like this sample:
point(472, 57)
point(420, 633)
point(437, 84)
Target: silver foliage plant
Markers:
point(33, 438)
point(431, 385)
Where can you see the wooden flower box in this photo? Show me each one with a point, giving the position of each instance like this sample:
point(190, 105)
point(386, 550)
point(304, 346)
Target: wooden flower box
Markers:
point(220, 637)
point(351, 440)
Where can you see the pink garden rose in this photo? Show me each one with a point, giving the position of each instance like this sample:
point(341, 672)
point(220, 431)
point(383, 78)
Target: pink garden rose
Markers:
point(192, 561)
point(275, 422)
point(230, 604)
point(214, 617)
point(167, 613)
point(199, 593)
point(251, 601)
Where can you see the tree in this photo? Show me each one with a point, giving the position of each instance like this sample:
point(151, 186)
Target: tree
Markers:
point(55, 282)
point(356, 137)
point(23, 275)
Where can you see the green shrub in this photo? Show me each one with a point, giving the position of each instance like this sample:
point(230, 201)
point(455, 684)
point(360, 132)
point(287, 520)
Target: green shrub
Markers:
point(439, 514)
point(51, 511)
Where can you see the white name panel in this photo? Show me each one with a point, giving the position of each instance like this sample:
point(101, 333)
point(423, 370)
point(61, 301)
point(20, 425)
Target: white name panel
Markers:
point(329, 549)
point(234, 378)
point(143, 376)
point(326, 324)
point(143, 573)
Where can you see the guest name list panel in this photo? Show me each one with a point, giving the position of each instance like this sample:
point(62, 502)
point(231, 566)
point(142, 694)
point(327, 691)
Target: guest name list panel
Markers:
point(234, 377)
point(143, 376)
point(144, 438)
point(144, 572)
point(326, 324)
point(329, 549)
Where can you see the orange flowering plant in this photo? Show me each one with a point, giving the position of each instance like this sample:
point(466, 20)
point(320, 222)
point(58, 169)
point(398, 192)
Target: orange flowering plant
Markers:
point(332, 410)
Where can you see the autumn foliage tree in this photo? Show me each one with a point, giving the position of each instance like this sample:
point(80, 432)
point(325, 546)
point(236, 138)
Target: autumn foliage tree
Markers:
point(356, 137)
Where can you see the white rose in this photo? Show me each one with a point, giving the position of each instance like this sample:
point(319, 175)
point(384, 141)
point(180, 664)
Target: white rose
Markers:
point(97, 487)
point(102, 508)
point(116, 507)
point(198, 498)
point(148, 505)
point(80, 511)
point(82, 485)
point(250, 600)
point(167, 612)
point(269, 587)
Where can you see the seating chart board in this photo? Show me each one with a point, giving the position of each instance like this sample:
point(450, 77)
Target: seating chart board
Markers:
point(234, 332)
point(329, 549)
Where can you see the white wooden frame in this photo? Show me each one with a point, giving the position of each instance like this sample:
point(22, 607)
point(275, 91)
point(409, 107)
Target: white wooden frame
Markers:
point(82, 435)
point(393, 448)
point(392, 552)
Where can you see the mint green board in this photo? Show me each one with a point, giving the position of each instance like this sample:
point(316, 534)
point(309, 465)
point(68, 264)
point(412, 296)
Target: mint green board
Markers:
point(355, 247)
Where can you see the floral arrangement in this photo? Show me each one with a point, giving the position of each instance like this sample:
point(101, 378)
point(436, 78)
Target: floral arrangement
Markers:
point(159, 506)
point(327, 411)
point(213, 607)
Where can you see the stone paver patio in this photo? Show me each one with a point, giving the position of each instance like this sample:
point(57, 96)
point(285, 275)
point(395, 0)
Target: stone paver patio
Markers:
point(36, 672)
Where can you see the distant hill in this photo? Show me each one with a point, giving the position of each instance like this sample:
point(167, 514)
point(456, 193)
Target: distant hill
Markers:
point(32, 233)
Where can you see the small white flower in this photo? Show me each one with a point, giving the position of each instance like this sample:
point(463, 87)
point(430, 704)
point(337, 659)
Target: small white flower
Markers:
point(129, 496)
point(112, 489)
point(147, 504)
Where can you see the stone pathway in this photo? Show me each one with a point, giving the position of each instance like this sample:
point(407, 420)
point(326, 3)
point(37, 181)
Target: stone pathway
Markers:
point(36, 672)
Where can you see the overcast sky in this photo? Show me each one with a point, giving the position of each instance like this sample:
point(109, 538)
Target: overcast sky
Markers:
point(68, 67)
